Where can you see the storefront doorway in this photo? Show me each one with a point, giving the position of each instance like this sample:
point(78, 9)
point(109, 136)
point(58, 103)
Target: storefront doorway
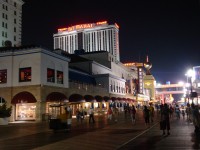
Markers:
point(25, 111)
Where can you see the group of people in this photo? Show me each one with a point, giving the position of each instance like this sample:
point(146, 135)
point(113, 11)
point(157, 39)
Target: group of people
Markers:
point(166, 112)
point(82, 113)
point(113, 113)
point(148, 114)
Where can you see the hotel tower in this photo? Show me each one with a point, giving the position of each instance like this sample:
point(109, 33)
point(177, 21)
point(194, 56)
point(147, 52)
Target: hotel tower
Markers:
point(11, 22)
point(91, 37)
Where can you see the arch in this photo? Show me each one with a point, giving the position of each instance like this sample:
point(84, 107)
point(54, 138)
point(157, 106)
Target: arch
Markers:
point(107, 99)
point(89, 98)
point(99, 98)
point(56, 96)
point(23, 97)
point(2, 100)
point(113, 98)
point(76, 98)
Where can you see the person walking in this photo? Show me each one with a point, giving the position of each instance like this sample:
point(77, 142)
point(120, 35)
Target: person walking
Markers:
point(151, 112)
point(69, 117)
point(81, 114)
point(91, 115)
point(171, 111)
point(165, 121)
point(178, 112)
point(146, 115)
point(110, 113)
point(115, 113)
point(133, 114)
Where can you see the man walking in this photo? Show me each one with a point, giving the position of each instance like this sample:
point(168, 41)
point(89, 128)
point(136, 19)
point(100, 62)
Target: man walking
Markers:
point(91, 115)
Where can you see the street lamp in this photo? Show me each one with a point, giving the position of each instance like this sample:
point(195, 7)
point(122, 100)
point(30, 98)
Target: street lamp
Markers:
point(190, 74)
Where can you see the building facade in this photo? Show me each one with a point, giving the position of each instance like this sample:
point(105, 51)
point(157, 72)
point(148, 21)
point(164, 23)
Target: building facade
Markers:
point(30, 79)
point(91, 37)
point(11, 22)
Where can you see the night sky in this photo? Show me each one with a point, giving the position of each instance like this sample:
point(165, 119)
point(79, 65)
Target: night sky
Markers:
point(168, 31)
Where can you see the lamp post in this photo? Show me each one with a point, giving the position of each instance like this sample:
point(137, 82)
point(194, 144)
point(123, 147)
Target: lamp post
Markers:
point(189, 74)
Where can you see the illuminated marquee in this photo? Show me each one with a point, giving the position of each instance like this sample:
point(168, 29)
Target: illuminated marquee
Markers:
point(133, 64)
point(82, 26)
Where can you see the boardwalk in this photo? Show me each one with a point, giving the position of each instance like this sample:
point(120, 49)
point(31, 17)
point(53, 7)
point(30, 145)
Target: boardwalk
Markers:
point(103, 135)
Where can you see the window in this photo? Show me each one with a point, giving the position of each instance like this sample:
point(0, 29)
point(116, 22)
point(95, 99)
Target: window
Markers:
point(59, 77)
point(50, 75)
point(3, 76)
point(25, 74)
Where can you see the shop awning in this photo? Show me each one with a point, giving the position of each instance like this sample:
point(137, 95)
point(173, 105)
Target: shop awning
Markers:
point(107, 99)
point(23, 97)
point(89, 98)
point(113, 98)
point(56, 96)
point(99, 98)
point(76, 98)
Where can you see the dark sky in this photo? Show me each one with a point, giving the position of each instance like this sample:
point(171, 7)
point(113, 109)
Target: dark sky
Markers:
point(168, 31)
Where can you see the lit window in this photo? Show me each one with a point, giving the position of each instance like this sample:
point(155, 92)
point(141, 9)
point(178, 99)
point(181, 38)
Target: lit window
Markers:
point(3, 76)
point(25, 74)
point(50, 75)
point(60, 77)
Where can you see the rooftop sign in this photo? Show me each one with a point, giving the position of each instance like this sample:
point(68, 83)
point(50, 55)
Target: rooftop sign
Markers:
point(82, 26)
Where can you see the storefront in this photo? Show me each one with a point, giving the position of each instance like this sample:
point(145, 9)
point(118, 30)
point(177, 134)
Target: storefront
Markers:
point(25, 106)
point(25, 111)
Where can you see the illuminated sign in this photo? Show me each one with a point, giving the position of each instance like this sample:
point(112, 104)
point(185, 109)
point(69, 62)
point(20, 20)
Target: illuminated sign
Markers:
point(148, 83)
point(116, 25)
point(82, 26)
point(197, 72)
point(134, 64)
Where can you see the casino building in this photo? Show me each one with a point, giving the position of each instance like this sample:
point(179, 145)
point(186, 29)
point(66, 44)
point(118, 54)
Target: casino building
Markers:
point(91, 37)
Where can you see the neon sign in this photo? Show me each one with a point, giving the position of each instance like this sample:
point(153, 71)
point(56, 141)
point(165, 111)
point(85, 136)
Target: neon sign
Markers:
point(82, 26)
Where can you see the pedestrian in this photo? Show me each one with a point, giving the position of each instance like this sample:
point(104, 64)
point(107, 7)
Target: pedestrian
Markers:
point(196, 117)
point(91, 115)
point(69, 117)
point(171, 111)
point(115, 113)
point(110, 113)
point(146, 115)
point(77, 115)
point(133, 114)
point(183, 113)
point(151, 112)
point(189, 113)
point(81, 114)
point(165, 121)
point(177, 110)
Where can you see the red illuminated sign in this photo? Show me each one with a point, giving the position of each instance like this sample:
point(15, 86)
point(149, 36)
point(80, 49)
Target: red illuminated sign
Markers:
point(82, 26)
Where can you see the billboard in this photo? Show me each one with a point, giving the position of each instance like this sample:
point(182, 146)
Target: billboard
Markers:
point(196, 72)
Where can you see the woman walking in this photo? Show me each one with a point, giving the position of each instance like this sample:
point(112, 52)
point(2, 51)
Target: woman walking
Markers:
point(133, 113)
point(165, 121)
point(146, 115)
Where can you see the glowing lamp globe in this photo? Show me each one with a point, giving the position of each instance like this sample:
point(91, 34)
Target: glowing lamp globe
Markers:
point(147, 65)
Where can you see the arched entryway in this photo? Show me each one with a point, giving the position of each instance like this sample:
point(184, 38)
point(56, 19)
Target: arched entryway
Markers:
point(76, 101)
point(25, 104)
point(55, 104)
